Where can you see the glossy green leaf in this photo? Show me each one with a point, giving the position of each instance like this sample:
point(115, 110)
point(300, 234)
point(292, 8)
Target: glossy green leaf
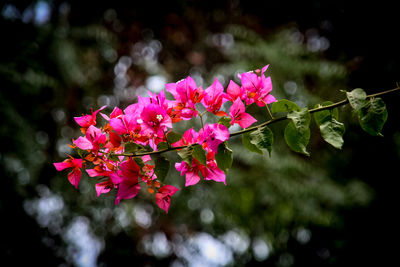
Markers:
point(373, 116)
point(284, 105)
point(246, 140)
point(199, 154)
point(226, 121)
point(224, 157)
point(325, 115)
point(297, 132)
point(162, 146)
point(357, 98)
point(186, 154)
point(161, 168)
point(262, 138)
point(173, 137)
point(332, 131)
point(132, 147)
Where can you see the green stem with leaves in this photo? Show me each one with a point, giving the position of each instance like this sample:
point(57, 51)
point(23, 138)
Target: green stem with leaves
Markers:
point(271, 121)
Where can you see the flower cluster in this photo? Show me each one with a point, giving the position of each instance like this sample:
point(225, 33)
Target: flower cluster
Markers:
point(124, 154)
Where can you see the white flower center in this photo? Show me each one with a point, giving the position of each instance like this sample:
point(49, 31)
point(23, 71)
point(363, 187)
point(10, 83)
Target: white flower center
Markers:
point(159, 117)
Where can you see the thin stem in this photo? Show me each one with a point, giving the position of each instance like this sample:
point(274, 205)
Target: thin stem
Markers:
point(250, 129)
point(269, 111)
point(201, 119)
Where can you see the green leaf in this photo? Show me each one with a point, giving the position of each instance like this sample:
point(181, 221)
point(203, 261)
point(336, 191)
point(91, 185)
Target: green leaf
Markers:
point(226, 121)
point(139, 162)
point(296, 140)
point(161, 168)
point(297, 132)
point(82, 153)
point(173, 137)
point(246, 140)
point(162, 146)
point(357, 98)
point(325, 115)
point(186, 154)
point(284, 105)
point(199, 153)
point(373, 116)
point(224, 156)
point(262, 138)
point(331, 129)
point(132, 147)
point(113, 157)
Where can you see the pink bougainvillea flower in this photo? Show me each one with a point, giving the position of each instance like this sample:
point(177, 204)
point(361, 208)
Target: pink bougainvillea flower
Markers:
point(86, 120)
point(155, 119)
point(214, 97)
point(75, 175)
point(191, 173)
point(188, 138)
point(234, 91)
point(239, 116)
point(127, 180)
point(104, 187)
point(163, 196)
point(214, 134)
point(93, 139)
point(115, 113)
point(186, 94)
point(257, 88)
point(211, 171)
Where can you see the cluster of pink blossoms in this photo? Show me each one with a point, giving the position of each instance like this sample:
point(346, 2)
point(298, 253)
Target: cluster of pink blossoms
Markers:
point(148, 122)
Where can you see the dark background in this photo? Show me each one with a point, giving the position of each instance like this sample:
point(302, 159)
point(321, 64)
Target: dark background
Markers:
point(47, 69)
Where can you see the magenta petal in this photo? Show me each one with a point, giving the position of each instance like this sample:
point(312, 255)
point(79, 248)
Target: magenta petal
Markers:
point(269, 99)
point(214, 173)
point(83, 143)
point(192, 178)
point(246, 120)
point(234, 91)
point(74, 177)
point(128, 189)
point(103, 187)
point(115, 178)
point(62, 165)
point(118, 125)
point(84, 121)
point(264, 69)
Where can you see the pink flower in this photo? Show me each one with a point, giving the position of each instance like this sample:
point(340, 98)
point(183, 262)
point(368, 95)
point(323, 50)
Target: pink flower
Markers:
point(239, 116)
point(214, 134)
point(115, 113)
point(155, 119)
point(214, 97)
point(93, 139)
point(86, 120)
point(163, 197)
point(186, 94)
point(210, 171)
point(234, 91)
point(104, 187)
point(191, 172)
point(257, 88)
point(188, 138)
point(75, 175)
point(127, 180)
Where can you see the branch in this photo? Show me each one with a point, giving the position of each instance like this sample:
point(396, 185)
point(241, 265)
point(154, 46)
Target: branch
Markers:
point(250, 129)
